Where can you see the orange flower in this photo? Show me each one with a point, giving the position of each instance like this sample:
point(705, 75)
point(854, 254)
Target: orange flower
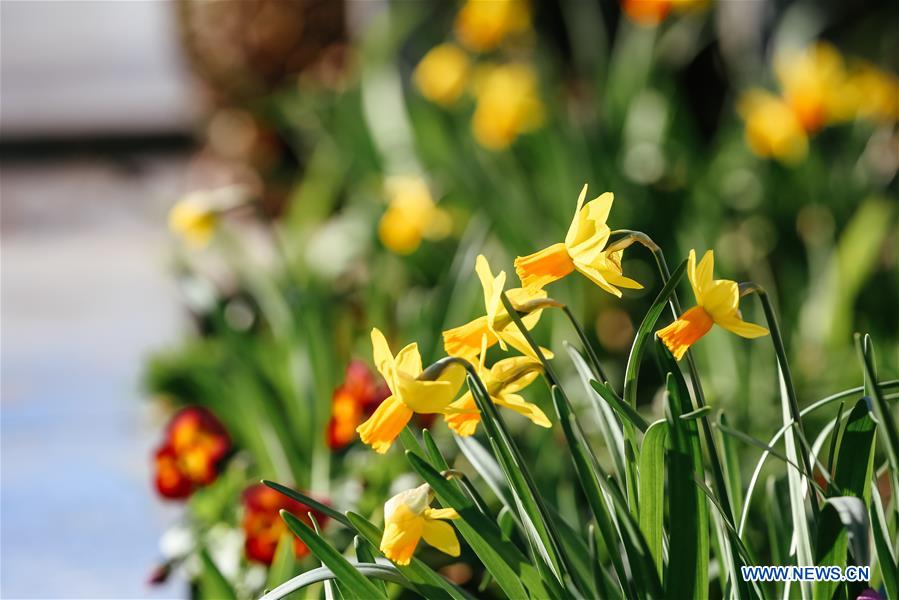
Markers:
point(357, 398)
point(263, 526)
point(194, 446)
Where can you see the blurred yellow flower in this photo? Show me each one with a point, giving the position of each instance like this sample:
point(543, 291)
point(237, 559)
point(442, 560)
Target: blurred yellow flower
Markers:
point(874, 93)
point(194, 217)
point(482, 25)
point(442, 74)
point(813, 82)
point(508, 104)
point(496, 325)
point(583, 250)
point(408, 393)
point(717, 302)
point(408, 519)
point(772, 128)
point(411, 216)
point(502, 381)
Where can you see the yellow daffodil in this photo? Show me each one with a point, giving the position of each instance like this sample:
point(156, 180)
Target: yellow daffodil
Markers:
point(813, 82)
point(873, 94)
point(772, 128)
point(502, 381)
point(583, 250)
point(442, 74)
point(482, 25)
point(496, 325)
point(408, 519)
point(195, 216)
point(411, 216)
point(409, 394)
point(508, 105)
point(717, 302)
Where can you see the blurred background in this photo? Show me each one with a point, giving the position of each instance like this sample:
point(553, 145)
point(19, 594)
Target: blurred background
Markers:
point(207, 205)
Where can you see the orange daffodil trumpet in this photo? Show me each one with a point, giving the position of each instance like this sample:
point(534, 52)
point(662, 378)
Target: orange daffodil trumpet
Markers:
point(408, 518)
point(495, 326)
point(409, 394)
point(584, 250)
point(506, 377)
point(717, 302)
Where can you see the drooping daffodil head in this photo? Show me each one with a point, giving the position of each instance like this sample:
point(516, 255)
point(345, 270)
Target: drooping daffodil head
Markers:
point(717, 303)
point(503, 382)
point(584, 250)
point(409, 393)
point(496, 326)
point(408, 518)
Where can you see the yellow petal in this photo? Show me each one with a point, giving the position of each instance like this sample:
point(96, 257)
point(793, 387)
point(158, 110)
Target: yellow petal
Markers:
point(493, 287)
point(735, 324)
point(465, 421)
point(573, 228)
point(402, 532)
point(427, 397)
point(544, 266)
point(465, 341)
point(441, 513)
point(382, 356)
point(442, 536)
point(512, 336)
point(442, 74)
point(521, 406)
point(589, 233)
point(720, 298)
point(598, 277)
point(385, 424)
point(408, 360)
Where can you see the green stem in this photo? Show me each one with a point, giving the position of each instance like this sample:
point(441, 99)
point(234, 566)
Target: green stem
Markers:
point(784, 365)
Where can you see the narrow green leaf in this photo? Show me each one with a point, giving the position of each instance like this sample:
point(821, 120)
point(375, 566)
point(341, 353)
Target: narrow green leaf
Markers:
point(212, 583)
point(309, 501)
point(420, 576)
point(511, 569)
point(433, 451)
point(687, 574)
point(353, 583)
point(652, 489)
point(882, 547)
point(696, 414)
point(628, 413)
point(732, 470)
point(364, 555)
point(380, 571)
point(854, 468)
point(644, 332)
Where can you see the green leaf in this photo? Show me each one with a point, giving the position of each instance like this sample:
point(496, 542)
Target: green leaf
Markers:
point(592, 480)
point(422, 578)
point(353, 583)
point(212, 583)
point(508, 566)
point(365, 555)
point(885, 558)
point(284, 565)
point(379, 571)
point(687, 575)
point(652, 489)
point(433, 451)
point(309, 501)
point(644, 332)
point(627, 412)
point(854, 468)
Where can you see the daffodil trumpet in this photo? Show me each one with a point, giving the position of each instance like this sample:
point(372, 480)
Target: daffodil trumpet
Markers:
point(409, 518)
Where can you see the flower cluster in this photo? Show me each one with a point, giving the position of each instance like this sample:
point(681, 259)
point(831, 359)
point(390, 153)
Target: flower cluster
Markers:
point(191, 454)
point(817, 89)
point(413, 389)
point(507, 102)
point(263, 526)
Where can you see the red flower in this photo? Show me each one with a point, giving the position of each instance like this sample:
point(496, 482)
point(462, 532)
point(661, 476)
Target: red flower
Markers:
point(354, 401)
point(191, 453)
point(263, 525)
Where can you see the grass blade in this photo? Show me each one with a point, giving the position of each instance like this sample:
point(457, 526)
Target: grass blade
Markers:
point(365, 555)
point(687, 573)
point(309, 501)
point(652, 489)
point(353, 583)
point(627, 412)
point(380, 571)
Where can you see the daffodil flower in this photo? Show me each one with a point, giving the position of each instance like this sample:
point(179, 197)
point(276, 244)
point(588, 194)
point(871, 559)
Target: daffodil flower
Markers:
point(408, 519)
point(507, 104)
point(496, 325)
point(411, 216)
point(583, 250)
point(772, 128)
point(717, 302)
point(194, 218)
point(442, 74)
point(408, 393)
point(502, 381)
point(482, 26)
